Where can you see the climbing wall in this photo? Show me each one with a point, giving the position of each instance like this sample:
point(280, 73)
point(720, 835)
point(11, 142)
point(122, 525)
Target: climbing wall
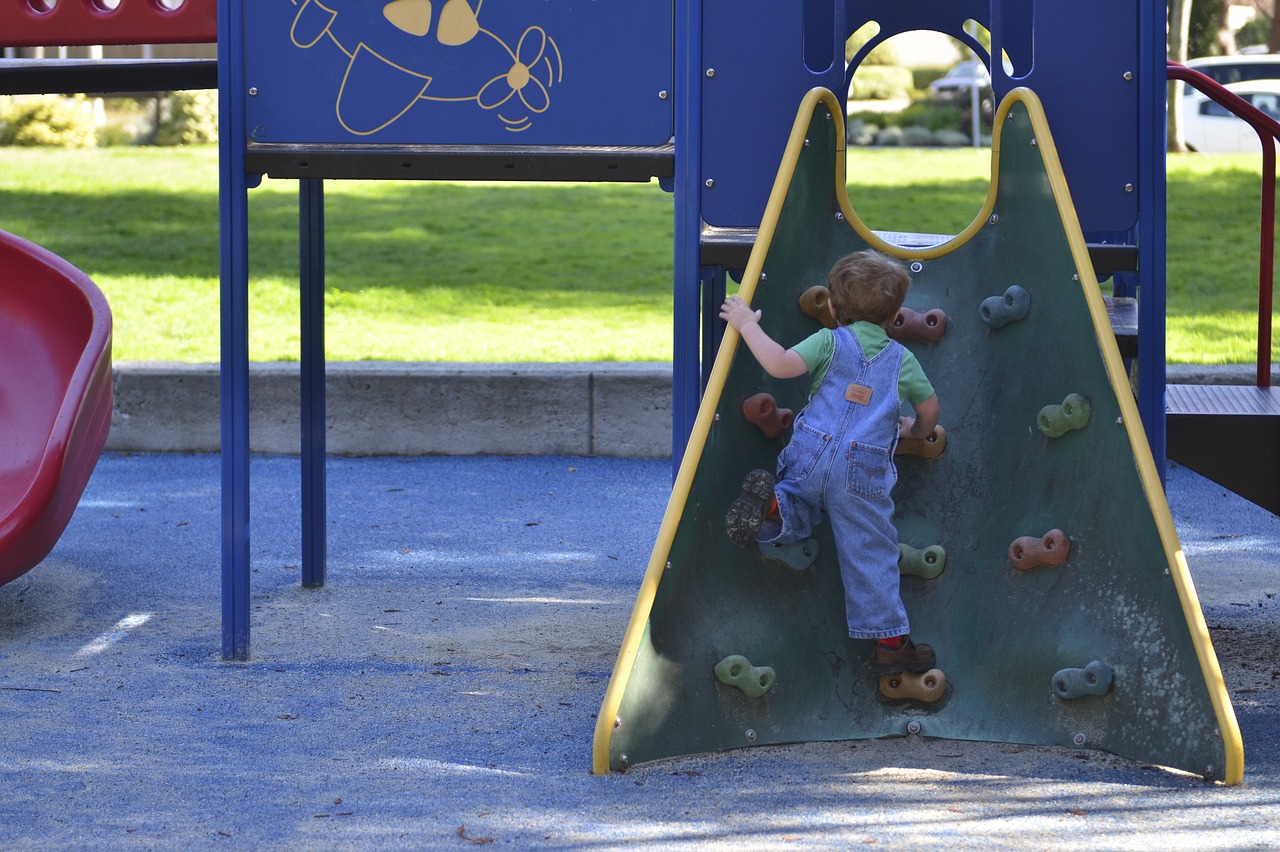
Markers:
point(1039, 557)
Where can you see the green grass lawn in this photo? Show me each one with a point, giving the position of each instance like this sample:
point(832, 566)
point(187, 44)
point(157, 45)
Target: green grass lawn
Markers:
point(518, 272)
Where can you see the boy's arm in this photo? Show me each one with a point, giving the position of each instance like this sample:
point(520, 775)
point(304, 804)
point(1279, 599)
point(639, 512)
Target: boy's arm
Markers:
point(777, 362)
point(921, 426)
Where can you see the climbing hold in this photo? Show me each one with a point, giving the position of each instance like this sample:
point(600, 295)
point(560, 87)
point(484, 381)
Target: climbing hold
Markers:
point(797, 555)
point(929, 448)
point(816, 302)
point(1030, 552)
point(762, 410)
point(913, 325)
point(997, 311)
point(925, 688)
point(1057, 420)
point(927, 563)
point(736, 670)
point(1094, 679)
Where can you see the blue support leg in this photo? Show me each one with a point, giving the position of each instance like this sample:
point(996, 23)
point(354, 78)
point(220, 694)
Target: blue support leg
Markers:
point(234, 373)
point(686, 372)
point(311, 269)
point(1151, 226)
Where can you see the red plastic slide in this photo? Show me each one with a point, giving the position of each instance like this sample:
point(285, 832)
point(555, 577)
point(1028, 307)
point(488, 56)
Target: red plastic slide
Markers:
point(55, 397)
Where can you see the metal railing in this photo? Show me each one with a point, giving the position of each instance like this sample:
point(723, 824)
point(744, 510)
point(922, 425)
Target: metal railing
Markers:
point(1268, 130)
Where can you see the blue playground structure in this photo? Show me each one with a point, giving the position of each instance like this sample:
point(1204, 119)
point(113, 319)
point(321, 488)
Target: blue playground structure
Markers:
point(699, 94)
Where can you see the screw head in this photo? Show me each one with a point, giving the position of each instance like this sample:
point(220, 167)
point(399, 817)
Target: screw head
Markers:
point(663, 95)
point(711, 72)
point(253, 91)
point(1079, 739)
point(750, 735)
point(995, 217)
point(913, 727)
point(1128, 75)
point(917, 266)
point(1128, 187)
point(709, 183)
point(839, 217)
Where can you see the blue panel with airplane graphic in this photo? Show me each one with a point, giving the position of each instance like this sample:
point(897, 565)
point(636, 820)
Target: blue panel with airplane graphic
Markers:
point(466, 72)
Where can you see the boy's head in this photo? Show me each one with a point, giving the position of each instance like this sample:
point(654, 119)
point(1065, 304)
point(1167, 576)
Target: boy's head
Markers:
point(867, 285)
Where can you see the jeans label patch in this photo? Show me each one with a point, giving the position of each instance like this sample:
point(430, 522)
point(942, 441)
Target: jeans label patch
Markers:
point(861, 394)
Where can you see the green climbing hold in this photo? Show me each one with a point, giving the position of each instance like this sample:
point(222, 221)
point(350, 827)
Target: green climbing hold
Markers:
point(927, 563)
point(736, 670)
point(797, 555)
point(1057, 420)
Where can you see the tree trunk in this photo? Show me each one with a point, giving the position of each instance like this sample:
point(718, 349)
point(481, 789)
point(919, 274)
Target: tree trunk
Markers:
point(1179, 32)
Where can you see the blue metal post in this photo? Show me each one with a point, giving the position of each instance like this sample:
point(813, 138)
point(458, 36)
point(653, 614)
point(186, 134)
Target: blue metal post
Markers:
point(311, 274)
point(1152, 95)
point(234, 375)
point(686, 375)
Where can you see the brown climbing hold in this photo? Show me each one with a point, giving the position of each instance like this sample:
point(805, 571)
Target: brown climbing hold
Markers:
point(1030, 552)
point(913, 325)
point(816, 302)
point(762, 410)
point(929, 448)
point(925, 688)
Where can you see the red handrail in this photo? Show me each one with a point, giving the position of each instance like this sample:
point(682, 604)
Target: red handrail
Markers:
point(1268, 130)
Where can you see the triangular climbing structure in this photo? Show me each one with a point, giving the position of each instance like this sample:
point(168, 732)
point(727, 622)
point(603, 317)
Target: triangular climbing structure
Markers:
point(1044, 458)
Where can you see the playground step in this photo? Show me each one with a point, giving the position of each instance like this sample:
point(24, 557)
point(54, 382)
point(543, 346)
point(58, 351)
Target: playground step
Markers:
point(731, 247)
point(1230, 434)
point(462, 162)
point(105, 76)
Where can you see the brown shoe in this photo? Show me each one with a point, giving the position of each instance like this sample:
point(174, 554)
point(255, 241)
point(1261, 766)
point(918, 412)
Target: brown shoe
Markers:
point(747, 513)
point(909, 658)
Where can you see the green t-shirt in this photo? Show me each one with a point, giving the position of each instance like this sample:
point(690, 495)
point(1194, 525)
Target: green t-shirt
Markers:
point(818, 348)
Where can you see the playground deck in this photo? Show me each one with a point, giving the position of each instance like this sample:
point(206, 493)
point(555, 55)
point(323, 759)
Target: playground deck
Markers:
point(441, 690)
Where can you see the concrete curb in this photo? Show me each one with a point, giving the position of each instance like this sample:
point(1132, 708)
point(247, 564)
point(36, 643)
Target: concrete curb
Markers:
point(378, 408)
point(386, 408)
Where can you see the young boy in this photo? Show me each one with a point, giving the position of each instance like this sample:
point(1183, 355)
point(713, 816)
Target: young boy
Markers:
point(840, 457)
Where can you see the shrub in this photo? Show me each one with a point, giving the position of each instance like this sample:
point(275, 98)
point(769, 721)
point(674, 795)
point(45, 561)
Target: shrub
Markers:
point(880, 82)
point(116, 134)
point(48, 120)
point(890, 136)
point(859, 132)
point(951, 138)
point(932, 115)
point(1255, 31)
point(916, 137)
point(188, 118)
point(922, 77)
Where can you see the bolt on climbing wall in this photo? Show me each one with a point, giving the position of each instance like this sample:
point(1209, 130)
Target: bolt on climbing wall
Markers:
point(1038, 555)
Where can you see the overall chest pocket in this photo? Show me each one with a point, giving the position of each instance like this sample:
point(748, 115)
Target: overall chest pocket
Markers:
point(800, 455)
point(871, 472)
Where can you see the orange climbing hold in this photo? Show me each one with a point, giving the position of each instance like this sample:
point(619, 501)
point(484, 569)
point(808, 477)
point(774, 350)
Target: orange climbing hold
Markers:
point(762, 410)
point(1029, 552)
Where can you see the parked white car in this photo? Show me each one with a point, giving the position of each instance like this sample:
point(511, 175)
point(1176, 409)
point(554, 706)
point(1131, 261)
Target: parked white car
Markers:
point(1238, 68)
point(958, 81)
point(1210, 128)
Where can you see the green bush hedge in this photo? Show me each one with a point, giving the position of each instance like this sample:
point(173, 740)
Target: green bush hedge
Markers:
point(49, 120)
point(188, 118)
point(880, 83)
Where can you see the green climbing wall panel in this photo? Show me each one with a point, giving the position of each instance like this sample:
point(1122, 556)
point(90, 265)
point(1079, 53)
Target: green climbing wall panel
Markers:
point(1027, 649)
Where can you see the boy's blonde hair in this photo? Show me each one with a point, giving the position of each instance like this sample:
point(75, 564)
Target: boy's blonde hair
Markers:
point(867, 285)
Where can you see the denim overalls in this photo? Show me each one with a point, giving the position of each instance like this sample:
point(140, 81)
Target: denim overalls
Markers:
point(840, 459)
